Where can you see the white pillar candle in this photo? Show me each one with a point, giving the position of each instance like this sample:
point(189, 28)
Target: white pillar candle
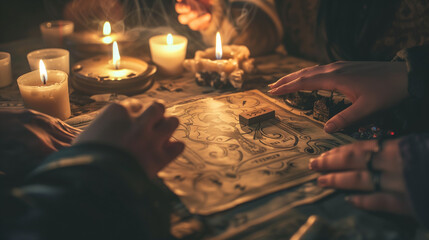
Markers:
point(54, 59)
point(168, 52)
point(54, 32)
point(51, 98)
point(5, 69)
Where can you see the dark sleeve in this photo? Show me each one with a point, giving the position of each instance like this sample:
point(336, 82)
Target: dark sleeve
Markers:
point(86, 192)
point(413, 111)
point(415, 154)
point(417, 59)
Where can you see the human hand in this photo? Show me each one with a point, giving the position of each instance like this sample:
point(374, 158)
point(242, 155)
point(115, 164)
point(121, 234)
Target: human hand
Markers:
point(371, 86)
point(346, 168)
point(144, 134)
point(194, 13)
point(28, 136)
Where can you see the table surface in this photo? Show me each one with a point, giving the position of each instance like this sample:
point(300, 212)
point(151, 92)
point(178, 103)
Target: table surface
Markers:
point(241, 222)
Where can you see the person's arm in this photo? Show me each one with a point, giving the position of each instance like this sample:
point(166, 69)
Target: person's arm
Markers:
point(415, 155)
point(238, 21)
point(89, 191)
point(100, 187)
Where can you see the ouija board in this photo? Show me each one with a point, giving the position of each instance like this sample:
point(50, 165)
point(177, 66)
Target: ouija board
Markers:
point(226, 163)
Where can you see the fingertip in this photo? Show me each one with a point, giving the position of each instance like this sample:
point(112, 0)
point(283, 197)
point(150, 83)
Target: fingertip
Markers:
point(182, 8)
point(322, 181)
point(330, 127)
point(174, 121)
point(207, 16)
point(313, 164)
point(182, 19)
point(174, 149)
point(277, 83)
point(274, 91)
point(158, 106)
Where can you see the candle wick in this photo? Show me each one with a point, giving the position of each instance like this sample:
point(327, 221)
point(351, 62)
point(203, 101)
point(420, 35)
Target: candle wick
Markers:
point(44, 79)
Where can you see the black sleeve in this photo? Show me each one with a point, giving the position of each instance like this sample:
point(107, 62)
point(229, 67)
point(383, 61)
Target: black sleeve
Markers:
point(414, 110)
point(86, 192)
point(415, 154)
point(417, 59)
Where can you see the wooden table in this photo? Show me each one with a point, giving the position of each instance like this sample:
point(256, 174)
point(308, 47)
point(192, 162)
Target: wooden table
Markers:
point(242, 222)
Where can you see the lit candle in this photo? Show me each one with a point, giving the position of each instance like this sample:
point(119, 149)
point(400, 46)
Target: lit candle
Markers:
point(168, 52)
point(54, 59)
point(46, 91)
point(107, 74)
point(5, 69)
point(116, 58)
point(86, 44)
point(107, 30)
point(221, 65)
point(54, 32)
point(218, 46)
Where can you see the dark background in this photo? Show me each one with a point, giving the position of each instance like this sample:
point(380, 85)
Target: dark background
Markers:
point(21, 18)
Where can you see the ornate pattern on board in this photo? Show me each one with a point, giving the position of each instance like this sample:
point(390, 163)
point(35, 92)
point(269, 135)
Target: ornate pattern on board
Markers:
point(226, 163)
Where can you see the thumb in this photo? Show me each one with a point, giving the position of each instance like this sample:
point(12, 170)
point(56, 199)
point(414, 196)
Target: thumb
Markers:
point(355, 112)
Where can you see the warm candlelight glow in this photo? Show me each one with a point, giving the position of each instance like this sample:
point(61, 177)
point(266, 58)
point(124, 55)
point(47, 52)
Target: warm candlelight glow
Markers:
point(116, 56)
point(106, 28)
point(218, 46)
point(43, 73)
point(106, 32)
point(169, 39)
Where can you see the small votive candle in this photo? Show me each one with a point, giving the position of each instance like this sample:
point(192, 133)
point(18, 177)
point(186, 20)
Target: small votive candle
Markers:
point(54, 32)
point(48, 94)
point(54, 59)
point(5, 69)
point(168, 52)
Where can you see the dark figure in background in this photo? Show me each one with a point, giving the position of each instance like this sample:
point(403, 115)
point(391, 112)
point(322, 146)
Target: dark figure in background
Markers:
point(319, 30)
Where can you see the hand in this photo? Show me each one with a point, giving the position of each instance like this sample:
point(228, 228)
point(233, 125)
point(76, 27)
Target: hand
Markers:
point(347, 169)
point(28, 136)
point(371, 86)
point(194, 13)
point(146, 135)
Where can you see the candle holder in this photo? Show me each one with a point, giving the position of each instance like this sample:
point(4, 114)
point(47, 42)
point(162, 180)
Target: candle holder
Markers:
point(98, 75)
point(5, 69)
point(54, 59)
point(54, 32)
point(221, 73)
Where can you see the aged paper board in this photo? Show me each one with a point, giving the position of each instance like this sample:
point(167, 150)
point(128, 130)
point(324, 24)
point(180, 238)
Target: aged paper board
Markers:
point(226, 163)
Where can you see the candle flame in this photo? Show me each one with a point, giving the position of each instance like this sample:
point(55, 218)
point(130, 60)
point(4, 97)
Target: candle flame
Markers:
point(43, 72)
point(106, 28)
point(107, 40)
point(169, 39)
point(116, 56)
point(218, 46)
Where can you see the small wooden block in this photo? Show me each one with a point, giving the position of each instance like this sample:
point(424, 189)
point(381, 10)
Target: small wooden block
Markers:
point(257, 115)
